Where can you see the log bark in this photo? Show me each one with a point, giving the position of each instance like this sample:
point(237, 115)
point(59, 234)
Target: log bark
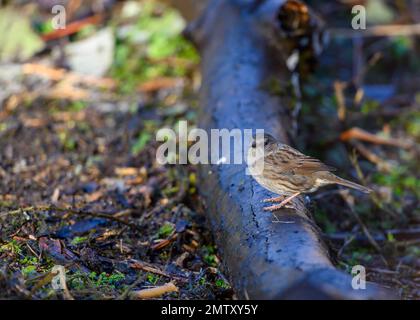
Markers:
point(264, 260)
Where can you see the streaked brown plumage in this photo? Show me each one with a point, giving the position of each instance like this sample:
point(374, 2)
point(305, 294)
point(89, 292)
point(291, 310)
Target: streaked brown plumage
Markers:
point(288, 172)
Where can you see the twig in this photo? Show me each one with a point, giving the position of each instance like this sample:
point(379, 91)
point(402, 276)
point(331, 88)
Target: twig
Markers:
point(339, 87)
point(72, 28)
point(71, 211)
point(127, 291)
point(346, 243)
point(344, 246)
point(360, 134)
point(373, 196)
point(66, 88)
point(372, 157)
point(141, 266)
point(165, 242)
point(58, 74)
point(345, 195)
point(154, 292)
point(159, 83)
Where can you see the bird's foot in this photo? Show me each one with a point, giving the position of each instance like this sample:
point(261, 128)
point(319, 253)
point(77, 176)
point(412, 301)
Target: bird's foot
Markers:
point(284, 204)
point(275, 199)
point(279, 206)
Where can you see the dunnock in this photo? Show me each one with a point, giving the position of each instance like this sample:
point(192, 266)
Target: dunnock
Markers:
point(288, 172)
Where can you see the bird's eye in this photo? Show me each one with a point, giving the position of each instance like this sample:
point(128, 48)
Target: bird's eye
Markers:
point(254, 144)
point(265, 142)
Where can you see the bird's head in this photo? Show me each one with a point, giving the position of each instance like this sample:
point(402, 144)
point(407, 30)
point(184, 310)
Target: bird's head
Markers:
point(261, 144)
point(264, 142)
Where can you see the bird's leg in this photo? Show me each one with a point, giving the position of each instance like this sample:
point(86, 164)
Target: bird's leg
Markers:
point(283, 203)
point(275, 199)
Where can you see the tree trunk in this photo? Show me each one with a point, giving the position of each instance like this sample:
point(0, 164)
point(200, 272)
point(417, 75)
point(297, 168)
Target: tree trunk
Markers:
point(263, 259)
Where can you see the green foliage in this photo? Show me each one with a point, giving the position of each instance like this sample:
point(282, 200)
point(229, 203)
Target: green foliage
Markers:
point(400, 179)
point(390, 237)
point(401, 46)
point(413, 124)
point(44, 27)
point(77, 105)
point(209, 255)
point(67, 141)
point(18, 41)
point(360, 256)
point(12, 247)
point(220, 283)
point(166, 230)
point(78, 240)
point(152, 278)
point(193, 182)
point(28, 270)
point(77, 281)
point(110, 280)
point(29, 261)
point(141, 52)
point(202, 281)
point(80, 281)
point(145, 136)
point(141, 142)
point(369, 106)
point(107, 280)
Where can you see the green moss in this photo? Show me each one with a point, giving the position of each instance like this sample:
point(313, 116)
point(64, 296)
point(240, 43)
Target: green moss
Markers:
point(77, 106)
point(110, 279)
point(220, 283)
point(103, 280)
point(166, 230)
point(28, 270)
point(12, 246)
point(413, 125)
point(29, 261)
point(369, 106)
point(152, 278)
point(209, 255)
point(67, 141)
point(78, 240)
point(401, 46)
point(202, 281)
point(145, 136)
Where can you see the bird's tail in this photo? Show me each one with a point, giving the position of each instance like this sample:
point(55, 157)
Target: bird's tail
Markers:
point(350, 184)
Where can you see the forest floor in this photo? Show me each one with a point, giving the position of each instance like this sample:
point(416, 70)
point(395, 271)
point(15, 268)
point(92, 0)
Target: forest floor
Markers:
point(80, 186)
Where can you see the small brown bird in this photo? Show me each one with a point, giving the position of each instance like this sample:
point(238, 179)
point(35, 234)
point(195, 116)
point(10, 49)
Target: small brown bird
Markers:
point(288, 172)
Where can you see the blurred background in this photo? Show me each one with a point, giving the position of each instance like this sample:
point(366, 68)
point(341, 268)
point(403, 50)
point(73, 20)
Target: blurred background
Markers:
point(79, 183)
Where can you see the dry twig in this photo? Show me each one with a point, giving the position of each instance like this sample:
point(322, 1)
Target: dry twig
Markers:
point(154, 292)
point(377, 31)
point(360, 134)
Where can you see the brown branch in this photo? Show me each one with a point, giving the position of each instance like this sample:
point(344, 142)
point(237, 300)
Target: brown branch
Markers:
point(72, 28)
point(71, 211)
point(360, 134)
point(377, 31)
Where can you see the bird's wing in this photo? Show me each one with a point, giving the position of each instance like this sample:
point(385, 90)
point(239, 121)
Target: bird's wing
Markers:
point(292, 161)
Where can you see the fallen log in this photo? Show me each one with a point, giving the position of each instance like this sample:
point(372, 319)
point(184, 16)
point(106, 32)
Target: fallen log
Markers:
point(264, 260)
